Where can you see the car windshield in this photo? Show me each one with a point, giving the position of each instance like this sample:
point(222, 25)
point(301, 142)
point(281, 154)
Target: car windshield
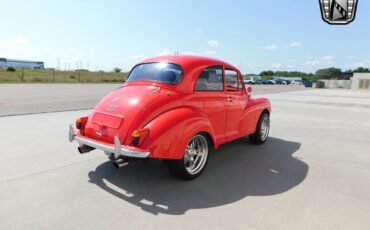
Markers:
point(160, 71)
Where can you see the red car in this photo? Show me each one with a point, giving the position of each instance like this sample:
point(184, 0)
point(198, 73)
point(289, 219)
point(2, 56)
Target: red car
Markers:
point(177, 109)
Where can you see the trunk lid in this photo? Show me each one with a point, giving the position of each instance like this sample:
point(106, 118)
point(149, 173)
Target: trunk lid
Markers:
point(116, 112)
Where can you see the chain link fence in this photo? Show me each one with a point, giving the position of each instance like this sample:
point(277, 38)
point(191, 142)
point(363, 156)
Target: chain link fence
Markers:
point(83, 76)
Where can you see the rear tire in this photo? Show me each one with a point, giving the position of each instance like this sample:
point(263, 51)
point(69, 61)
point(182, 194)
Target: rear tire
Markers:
point(194, 161)
point(262, 131)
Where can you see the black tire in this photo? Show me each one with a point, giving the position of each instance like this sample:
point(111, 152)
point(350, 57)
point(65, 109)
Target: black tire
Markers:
point(180, 169)
point(260, 137)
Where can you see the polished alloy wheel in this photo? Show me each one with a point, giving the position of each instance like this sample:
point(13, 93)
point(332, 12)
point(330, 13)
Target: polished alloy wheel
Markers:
point(196, 154)
point(265, 127)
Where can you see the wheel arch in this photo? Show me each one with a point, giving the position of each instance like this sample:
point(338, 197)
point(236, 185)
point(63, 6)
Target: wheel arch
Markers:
point(171, 131)
point(265, 111)
point(210, 139)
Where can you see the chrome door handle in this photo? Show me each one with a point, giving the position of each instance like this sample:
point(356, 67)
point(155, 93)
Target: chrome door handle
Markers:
point(230, 99)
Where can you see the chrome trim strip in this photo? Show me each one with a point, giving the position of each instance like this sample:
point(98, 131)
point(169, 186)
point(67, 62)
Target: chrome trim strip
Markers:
point(117, 149)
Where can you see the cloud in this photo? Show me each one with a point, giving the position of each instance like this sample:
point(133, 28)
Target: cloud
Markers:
point(20, 40)
point(364, 63)
point(295, 44)
point(199, 30)
point(275, 66)
point(165, 52)
point(312, 62)
point(213, 43)
point(328, 59)
point(271, 47)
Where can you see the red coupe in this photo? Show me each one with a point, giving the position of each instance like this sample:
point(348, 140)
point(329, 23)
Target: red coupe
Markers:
point(177, 109)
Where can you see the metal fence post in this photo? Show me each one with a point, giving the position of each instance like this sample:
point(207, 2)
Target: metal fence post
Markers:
point(79, 76)
point(22, 77)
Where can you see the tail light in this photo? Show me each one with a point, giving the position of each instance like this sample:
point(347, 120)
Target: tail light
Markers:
point(138, 136)
point(80, 123)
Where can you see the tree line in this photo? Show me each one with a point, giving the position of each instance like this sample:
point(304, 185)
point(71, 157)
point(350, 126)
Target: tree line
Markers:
point(326, 73)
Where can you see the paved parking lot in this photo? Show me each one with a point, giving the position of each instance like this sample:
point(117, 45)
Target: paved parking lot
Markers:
point(312, 173)
point(18, 99)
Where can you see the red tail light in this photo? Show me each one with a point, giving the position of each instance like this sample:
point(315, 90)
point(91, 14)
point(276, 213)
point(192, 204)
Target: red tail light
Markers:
point(138, 136)
point(81, 122)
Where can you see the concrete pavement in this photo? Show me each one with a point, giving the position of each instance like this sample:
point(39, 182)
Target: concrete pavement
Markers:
point(18, 99)
point(313, 173)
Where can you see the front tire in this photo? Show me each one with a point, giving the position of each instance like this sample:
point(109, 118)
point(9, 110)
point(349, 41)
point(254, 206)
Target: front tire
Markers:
point(262, 131)
point(194, 161)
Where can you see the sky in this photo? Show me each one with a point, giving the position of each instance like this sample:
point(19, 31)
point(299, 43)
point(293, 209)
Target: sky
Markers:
point(252, 35)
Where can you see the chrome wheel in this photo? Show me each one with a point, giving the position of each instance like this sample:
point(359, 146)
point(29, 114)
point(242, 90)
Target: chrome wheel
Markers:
point(196, 154)
point(262, 130)
point(265, 127)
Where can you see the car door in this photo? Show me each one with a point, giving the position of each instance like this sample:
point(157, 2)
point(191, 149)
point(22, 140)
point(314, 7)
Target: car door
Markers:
point(236, 101)
point(209, 88)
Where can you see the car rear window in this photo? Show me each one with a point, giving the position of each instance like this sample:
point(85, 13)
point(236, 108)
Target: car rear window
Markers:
point(160, 72)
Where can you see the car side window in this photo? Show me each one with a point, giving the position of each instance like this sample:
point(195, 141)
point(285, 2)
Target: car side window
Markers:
point(232, 80)
point(211, 79)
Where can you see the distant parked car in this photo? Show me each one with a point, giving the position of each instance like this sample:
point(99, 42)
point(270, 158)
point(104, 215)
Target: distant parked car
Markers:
point(249, 82)
point(281, 82)
point(258, 82)
point(296, 83)
point(268, 82)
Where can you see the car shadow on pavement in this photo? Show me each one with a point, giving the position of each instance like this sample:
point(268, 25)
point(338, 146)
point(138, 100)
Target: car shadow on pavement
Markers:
point(236, 170)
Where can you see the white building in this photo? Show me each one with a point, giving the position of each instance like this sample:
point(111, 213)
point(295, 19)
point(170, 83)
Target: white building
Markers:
point(20, 64)
point(361, 81)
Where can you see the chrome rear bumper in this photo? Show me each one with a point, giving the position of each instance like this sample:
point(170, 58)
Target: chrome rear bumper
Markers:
point(117, 149)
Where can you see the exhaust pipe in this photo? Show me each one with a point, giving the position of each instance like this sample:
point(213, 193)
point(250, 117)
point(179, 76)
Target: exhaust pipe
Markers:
point(85, 149)
point(120, 163)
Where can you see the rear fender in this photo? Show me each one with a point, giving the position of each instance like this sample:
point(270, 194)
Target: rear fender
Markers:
point(171, 131)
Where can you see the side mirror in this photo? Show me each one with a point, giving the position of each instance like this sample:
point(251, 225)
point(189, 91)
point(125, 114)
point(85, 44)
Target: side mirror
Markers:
point(249, 90)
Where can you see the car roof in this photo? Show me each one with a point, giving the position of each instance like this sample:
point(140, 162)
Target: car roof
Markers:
point(187, 61)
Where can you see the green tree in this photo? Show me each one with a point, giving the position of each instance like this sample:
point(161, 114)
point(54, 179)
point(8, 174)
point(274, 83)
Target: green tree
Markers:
point(348, 74)
point(329, 73)
point(361, 70)
point(10, 69)
point(117, 70)
point(267, 73)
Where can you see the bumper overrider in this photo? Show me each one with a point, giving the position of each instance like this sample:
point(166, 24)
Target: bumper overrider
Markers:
point(117, 149)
